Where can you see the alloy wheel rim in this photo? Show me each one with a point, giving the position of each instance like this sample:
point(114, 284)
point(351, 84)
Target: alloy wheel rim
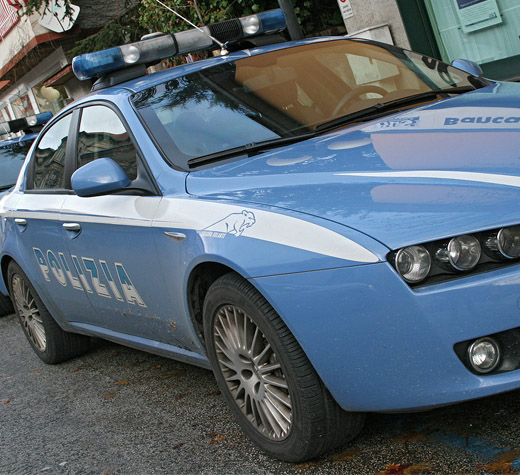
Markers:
point(29, 313)
point(253, 373)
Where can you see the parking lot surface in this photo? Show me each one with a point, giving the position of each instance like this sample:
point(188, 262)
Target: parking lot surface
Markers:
point(117, 410)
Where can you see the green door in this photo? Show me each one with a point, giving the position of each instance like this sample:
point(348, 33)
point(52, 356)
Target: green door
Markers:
point(484, 31)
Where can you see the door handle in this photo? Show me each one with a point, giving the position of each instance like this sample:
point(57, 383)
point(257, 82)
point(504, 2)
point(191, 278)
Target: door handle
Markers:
point(175, 236)
point(74, 227)
point(20, 222)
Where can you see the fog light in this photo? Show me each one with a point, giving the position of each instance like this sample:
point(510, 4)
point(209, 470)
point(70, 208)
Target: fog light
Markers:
point(484, 355)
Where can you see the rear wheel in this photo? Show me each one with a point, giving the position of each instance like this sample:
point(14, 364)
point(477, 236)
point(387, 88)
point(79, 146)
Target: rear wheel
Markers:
point(266, 379)
point(48, 340)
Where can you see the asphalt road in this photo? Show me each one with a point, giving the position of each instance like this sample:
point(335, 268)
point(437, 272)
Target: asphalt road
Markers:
point(120, 411)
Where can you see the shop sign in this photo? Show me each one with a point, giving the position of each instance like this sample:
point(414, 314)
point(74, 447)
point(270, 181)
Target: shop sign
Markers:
point(346, 9)
point(477, 14)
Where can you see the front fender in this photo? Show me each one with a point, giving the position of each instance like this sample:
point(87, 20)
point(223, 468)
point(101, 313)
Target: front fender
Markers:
point(260, 241)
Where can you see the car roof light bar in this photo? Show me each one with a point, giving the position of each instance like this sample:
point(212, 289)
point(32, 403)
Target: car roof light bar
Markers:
point(24, 123)
point(222, 46)
point(153, 50)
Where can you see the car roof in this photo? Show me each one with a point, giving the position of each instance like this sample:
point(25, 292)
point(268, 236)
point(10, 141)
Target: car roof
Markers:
point(17, 140)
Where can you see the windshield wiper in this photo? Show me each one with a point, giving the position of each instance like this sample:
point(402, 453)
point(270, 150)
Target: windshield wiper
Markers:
point(249, 149)
point(383, 107)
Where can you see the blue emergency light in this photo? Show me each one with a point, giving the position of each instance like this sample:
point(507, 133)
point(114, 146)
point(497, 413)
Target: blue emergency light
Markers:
point(24, 123)
point(155, 49)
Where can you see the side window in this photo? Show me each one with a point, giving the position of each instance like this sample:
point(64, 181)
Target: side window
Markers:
point(103, 135)
point(49, 157)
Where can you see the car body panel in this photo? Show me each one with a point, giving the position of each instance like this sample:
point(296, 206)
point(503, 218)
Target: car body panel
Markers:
point(380, 346)
point(422, 168)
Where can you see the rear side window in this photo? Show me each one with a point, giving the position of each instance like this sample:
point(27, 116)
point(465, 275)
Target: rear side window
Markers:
point(49, 157)
point(103, 135)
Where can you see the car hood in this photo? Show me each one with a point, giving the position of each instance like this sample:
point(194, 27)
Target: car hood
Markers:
point(451, 167)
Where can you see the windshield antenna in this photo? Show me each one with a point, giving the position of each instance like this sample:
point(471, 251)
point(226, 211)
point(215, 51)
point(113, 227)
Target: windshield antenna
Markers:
point(223, 49)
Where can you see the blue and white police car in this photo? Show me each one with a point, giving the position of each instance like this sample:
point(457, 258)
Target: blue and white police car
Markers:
point(12, 155)
point(331, 225)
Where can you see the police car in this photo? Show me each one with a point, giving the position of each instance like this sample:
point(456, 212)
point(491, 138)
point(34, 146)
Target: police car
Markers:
point(331, 225)
point(12, 155)
point(13, 150)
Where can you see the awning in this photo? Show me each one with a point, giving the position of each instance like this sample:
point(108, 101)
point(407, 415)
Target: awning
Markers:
point(61, 77)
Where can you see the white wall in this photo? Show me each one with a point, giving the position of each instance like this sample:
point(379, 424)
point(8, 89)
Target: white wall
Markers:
point(368, 13)
point(49, 66)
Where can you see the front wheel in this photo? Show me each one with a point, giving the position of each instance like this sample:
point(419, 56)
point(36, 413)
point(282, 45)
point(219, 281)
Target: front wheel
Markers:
point(48, 340)
point(266, 379)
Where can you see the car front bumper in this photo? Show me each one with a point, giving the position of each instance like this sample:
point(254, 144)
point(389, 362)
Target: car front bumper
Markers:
point(379, 345)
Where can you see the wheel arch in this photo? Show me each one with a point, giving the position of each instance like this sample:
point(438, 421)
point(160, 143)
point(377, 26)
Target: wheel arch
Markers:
point(3, 269)
point(199, 281)
point(200, 278)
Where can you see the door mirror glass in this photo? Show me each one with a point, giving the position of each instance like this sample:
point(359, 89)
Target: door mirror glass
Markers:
point(101, 176)
point(467, 66)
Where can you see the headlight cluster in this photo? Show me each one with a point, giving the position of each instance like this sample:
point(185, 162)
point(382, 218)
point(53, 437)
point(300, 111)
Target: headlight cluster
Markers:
point(457, 255)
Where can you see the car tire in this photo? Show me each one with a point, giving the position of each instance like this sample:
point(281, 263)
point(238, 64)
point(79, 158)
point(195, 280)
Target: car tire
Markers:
point(48, 340)
point(6, 306)
point(266, 379)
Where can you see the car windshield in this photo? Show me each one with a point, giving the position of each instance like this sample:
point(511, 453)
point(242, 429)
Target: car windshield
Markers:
point(12, 156)
point(283, 93)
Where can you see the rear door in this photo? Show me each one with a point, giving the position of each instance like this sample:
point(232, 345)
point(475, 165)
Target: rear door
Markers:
point(35, 216)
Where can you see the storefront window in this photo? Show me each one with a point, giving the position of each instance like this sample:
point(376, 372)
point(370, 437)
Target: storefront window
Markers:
point(51, 98)
point(22, 106)
point(484, 31)
point(4, 115)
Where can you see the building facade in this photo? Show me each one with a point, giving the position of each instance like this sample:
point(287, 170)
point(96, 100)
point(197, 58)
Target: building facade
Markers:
point(35, 67)
point(36, 74)
point(484, 31)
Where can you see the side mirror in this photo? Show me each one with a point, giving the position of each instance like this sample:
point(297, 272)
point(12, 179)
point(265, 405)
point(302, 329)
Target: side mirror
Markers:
point(100, 176)
point(468, 66)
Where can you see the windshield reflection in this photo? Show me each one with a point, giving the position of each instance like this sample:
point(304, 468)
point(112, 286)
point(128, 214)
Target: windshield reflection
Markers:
point(284, 93)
